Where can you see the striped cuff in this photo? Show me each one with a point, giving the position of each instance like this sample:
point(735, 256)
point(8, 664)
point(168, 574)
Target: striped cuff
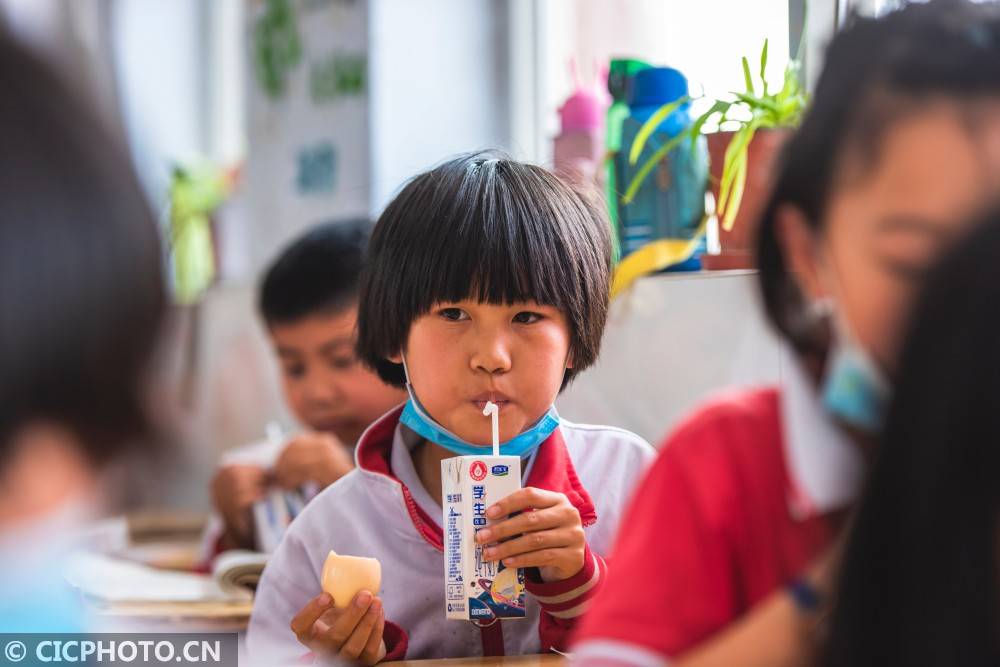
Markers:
point(569, 598)
point(396, 641)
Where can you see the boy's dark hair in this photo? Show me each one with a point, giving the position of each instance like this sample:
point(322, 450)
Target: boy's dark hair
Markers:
point(81, 283)
point(483, 226)
point(919, 581)
point(876, 71)
point(319, 272)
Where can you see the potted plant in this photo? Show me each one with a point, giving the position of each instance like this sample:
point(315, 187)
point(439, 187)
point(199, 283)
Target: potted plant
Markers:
point(752, 126)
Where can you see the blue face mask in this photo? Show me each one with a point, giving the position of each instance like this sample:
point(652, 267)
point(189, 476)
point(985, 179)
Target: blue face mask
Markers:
point(420, 422)
point(855, 390)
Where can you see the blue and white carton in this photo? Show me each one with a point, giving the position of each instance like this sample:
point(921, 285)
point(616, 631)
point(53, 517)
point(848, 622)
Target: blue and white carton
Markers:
point(476, 589)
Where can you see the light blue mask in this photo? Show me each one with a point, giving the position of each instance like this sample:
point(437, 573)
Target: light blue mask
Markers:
point(420, 422)
point(855, 390)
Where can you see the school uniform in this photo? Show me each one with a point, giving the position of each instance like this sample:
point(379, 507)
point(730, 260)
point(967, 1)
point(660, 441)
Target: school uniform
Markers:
point(381, 510)
point(743, 497)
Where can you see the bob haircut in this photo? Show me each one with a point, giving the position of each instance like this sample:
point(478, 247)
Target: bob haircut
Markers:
point(485, 227)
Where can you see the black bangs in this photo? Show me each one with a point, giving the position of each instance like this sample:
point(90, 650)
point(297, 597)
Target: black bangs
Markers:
point(486, 244)
point(490, 229)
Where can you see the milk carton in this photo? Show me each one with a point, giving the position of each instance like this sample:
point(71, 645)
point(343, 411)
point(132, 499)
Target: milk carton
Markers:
point(477, 590)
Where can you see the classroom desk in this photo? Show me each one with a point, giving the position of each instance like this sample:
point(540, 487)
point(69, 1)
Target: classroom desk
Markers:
point(178, 616)
point(169, 541)
point(550, 660)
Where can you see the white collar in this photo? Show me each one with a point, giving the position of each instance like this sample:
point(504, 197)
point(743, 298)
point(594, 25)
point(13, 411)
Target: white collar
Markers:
point(401, 460)
point(825, 467)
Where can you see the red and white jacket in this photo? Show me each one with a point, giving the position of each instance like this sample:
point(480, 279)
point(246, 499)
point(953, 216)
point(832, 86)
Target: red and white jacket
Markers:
point(380, 510)
point(743, 497)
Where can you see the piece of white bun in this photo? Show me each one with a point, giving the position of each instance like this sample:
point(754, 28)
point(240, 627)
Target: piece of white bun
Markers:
point(344, 576)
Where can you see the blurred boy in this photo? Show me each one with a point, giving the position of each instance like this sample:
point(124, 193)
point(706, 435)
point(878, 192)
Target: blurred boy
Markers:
point(308, 301)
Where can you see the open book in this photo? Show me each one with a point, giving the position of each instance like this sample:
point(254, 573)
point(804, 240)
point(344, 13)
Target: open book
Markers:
point(238, 570)
point(109, 579)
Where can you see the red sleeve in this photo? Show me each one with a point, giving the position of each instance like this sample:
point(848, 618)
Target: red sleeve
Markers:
point(672, 584)
point(214, 549)
point(563, 602)
point(396, 641)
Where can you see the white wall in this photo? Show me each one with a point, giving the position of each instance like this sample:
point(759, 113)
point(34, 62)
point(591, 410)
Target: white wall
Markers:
point(159, 56)
point(271, 206)
point(437, 86)
point(438, 75)
point(671, 341)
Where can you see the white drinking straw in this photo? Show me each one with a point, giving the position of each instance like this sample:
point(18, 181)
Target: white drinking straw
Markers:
point(492, 410)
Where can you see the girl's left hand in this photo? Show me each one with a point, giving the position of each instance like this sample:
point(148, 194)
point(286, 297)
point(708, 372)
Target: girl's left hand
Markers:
point(548, 534)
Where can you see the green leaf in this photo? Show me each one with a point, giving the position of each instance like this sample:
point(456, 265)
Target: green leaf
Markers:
point(725, 184)
point(720, 107)
point(736, 198)
point(747, 78)
point(755, 102)
point(647, 129)
point(763, 66)
point(726, 180)
point(792, 85)
point(790, 110)
point(736, 150)
point(649, 165)
point(792, 100)
point(764, 117)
